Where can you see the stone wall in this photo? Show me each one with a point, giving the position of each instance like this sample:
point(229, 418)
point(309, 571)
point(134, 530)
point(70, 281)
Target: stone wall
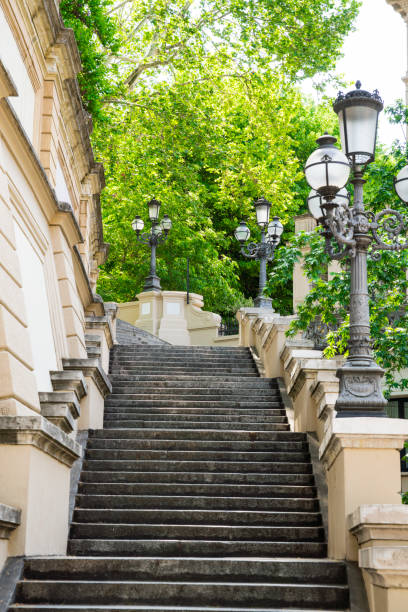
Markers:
point(55, 332)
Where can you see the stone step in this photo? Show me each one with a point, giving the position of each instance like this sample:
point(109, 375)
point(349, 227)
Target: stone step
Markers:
point(196, 477)
point(196, 373)
point(222, 490)
point(112, 415)
point(188, 593)
point(197, 517)
point(188, 350)
point(195, 548)
point(200, 361)
point(205, 392)
point(198, 425)
point(224, 456)
point(239, 413)
point(167, 465)
point(87, 608)
point(198, 434)
point(199, 502)
point(251, 403)
point(251, 379)
point(144, 568)
point(189, 382)
point(195, 445)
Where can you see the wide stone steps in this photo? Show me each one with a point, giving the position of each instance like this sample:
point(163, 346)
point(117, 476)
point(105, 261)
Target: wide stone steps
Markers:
point(195, 477)
point(163, 410)
point(207, 384)
point(195, 496)
point(117, 414)
point(135, 423)
point(198, 502)
point(169, 455)
point(197, 517)
point(213, 445)
point(196, 548)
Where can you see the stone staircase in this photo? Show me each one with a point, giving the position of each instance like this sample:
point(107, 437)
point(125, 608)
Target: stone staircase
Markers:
point(194, 497)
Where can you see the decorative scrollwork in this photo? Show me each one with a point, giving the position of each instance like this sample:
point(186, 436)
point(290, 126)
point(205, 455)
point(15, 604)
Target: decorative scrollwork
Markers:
point(252, 250)
point(392, 224)
point(152, 238)
point(339, 222)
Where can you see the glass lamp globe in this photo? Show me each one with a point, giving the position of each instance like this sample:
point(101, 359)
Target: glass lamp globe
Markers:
point(401, 184)
point(327, 170)
point(242, 232)
point(275, 229)
point(137, 224)
point(314, 203)
point(166, 223)
point(154, 209)
point(262, 208)
point(358, 112)
point(156, 228)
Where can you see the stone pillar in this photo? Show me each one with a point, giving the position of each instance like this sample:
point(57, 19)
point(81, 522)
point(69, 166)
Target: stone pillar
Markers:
point(362, 461)
point(301, 284)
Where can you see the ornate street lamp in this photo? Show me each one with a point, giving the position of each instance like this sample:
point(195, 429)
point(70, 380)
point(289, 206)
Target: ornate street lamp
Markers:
point(355, 230)
point(264, 250)
point(157, 235)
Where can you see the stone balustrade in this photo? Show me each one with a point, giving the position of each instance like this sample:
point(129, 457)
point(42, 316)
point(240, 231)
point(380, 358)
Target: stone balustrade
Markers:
point(367, 522)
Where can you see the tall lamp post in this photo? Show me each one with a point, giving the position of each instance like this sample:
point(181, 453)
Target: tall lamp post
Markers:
point(157, 235)
point(349, 231)
point(264, 250)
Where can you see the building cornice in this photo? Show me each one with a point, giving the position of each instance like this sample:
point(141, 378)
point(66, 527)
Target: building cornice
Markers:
point(37, 431)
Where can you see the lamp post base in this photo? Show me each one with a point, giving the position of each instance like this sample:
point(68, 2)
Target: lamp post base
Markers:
point(263, 302)
point(360, 391)
point(152, 282)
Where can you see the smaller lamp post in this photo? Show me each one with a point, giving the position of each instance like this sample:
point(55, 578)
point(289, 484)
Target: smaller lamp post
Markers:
point(264, 250)
point(157, 235)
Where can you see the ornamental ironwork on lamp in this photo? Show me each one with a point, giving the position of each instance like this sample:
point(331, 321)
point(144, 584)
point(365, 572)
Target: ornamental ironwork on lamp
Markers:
point(349, 231)
point(264, 250)
point(157, 235)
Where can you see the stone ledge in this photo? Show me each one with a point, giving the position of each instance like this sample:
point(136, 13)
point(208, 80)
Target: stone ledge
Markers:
point(93, 369)
point(66, 380)
point(10, 518)
point(362, 432)
point(39, 432)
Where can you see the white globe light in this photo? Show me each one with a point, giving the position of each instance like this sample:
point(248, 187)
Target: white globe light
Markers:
point(327, 170)
point(401, 184)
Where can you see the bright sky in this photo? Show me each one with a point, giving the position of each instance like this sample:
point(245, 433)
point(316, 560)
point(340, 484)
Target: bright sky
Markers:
point(376, 55)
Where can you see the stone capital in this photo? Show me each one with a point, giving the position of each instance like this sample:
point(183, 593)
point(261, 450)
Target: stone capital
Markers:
point(39, 432)
point(362, 432)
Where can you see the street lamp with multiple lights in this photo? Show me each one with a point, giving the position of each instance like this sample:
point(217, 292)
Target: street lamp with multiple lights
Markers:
point(349, 231)
point(264, 250)
point(157, 235)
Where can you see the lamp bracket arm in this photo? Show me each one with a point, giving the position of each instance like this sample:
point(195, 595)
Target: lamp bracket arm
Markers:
point(341, 225)
point(250, 250)
point(388, 225)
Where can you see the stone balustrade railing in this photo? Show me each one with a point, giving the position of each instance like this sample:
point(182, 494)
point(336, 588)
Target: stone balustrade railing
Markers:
point(367, 522)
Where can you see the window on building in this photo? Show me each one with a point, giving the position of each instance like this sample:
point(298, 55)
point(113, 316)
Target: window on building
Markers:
point(397, 408)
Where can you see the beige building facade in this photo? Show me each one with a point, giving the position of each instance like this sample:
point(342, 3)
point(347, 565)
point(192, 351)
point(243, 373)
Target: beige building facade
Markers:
point(55, 333)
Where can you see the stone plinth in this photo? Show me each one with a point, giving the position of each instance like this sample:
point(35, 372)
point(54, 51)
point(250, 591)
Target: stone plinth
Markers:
point(381, 531)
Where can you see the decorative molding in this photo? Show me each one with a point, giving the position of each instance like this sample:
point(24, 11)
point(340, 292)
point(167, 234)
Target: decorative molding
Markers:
point(7, 86)
point(362, 432)
point(91, 368)
point(10, 518)
point(40, 433)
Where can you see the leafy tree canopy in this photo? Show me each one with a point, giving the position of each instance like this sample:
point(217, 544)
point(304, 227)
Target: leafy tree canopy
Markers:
point(195, 103)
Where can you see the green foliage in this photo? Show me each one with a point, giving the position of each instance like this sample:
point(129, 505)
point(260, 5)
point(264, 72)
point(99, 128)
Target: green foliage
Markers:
point(97, 37)
point(195, 104)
